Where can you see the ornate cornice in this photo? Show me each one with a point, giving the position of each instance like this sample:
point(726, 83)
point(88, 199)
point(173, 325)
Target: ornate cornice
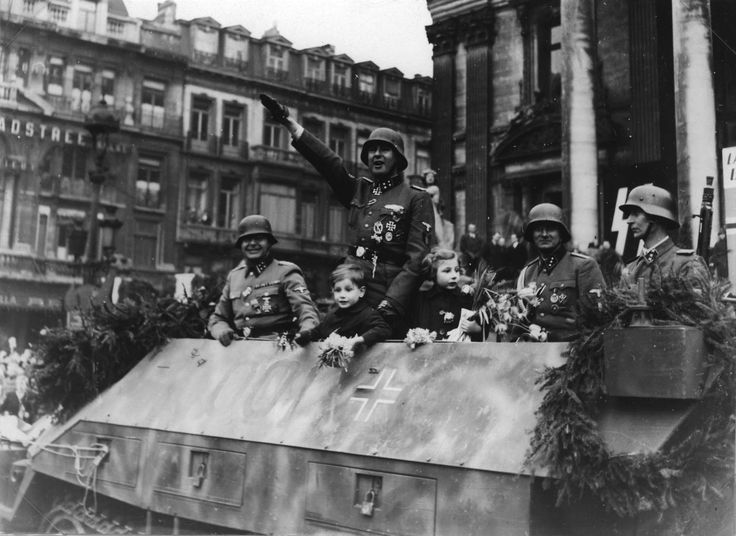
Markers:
point(474, 28)
point(443, 36)
point(480, 27)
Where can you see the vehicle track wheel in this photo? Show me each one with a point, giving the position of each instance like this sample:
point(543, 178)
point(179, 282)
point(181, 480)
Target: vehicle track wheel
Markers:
point(60, 522)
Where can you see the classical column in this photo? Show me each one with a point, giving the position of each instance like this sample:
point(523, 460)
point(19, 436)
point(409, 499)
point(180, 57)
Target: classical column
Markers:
point(479, 99)
point(695, 113)
point(579, 144)
point(443, 36)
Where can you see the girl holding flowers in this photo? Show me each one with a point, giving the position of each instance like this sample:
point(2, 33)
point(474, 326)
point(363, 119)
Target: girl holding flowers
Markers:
point(442, 296)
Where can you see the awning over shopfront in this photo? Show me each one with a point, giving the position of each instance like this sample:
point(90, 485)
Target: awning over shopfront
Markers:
point(31, 295)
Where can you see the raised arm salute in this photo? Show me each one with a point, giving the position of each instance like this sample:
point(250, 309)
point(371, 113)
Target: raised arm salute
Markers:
point(393, 220)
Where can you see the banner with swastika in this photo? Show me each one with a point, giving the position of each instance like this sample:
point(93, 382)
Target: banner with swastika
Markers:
point(729, 167)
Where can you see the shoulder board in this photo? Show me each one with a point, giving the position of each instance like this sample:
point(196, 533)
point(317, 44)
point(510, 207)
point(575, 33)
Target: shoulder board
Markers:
point(535, 259)
point(419, 188)
point(366, 179)
point(580, 255)
point(685, 252)
point(287, 264)
point(240, 266)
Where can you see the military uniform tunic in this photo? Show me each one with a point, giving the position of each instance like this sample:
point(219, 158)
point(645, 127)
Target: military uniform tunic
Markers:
point(393, 223)
point(571, 285)
point(667, 261)
point(268, 298)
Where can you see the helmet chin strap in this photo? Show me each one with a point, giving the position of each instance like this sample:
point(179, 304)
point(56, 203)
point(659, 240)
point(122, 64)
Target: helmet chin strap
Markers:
point(647, 232)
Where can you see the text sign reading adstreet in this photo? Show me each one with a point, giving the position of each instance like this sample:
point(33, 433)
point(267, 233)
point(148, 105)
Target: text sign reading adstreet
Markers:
point(729, 167)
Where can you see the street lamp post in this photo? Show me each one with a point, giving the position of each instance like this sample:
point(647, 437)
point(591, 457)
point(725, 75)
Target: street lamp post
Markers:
point(100, 123)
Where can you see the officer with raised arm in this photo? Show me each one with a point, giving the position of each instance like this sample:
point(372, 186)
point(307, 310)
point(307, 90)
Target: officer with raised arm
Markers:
point(263, 297)
point(393, 220)
point(569, 283)
point(650, 213)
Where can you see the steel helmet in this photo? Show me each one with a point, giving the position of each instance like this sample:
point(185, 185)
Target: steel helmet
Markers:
point(653, 201)
point(255, 224)
point(546, 212)
point(389, 136)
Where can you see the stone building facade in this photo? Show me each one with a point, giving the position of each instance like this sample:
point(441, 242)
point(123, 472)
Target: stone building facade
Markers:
point(194, 154)
point(575, 103)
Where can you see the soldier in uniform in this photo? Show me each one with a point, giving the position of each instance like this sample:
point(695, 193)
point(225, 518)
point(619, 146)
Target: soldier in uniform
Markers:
point(393, 221)
point(650, 213)
point(262, 297)
point(568, 283)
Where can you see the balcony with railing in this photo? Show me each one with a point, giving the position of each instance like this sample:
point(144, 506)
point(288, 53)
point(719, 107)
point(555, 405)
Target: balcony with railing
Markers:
point(235, 64)
point(205, 58)
point(157, 119)
point(68, 106)
point(197, 145)
point(316, 85)
point(342, 91)
point(201, 233)
point(30, 267)
point(237, 150)
point(279, 75)
point(274, 154)
point(391, 102)
point(123, 28)
point(366, 97)
point(8, 94)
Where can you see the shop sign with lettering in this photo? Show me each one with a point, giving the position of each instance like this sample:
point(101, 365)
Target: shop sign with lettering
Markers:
point(54, 133)
point(29, 302)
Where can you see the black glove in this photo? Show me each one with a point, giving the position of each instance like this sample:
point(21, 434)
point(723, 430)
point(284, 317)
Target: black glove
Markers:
point(279, 112)
point(302, 338)
point(223, 334)
point(387, 311)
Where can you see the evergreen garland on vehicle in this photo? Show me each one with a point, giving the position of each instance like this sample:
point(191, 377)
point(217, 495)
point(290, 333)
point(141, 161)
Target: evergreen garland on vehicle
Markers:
point(566, 439)
point(74, 366)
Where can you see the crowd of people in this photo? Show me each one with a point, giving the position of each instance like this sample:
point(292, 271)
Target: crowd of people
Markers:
point(395, 277)
point(14, 378)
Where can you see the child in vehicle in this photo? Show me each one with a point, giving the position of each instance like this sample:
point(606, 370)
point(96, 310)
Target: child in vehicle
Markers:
point(441, 297)
point(351, 316)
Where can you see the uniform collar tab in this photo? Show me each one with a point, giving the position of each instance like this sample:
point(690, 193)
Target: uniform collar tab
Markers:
point(386, 184)
point(549, 262)
point(257, 267)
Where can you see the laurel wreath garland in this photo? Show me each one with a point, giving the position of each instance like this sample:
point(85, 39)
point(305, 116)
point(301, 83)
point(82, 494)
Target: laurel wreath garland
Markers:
point(566, 439)
point(74, 366)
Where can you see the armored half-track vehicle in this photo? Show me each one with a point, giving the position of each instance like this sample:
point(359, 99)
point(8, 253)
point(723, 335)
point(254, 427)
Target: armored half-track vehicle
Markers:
point(199, 438)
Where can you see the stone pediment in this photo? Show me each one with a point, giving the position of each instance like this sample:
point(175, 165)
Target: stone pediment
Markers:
point(206, 21)
point(272, 35)
point(344, 58)
point(325, 51)
point(238, 29)
point(393, 71)
point(368, 65)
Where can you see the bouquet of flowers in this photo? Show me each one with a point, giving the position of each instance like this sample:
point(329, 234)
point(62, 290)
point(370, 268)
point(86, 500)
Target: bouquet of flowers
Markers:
point(336, 351)
point(507, 313)
point(418, 336)
point(285, 341)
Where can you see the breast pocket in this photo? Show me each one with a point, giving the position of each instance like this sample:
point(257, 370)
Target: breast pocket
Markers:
point(392, 226)
point(270, 300)
point(563, 295)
